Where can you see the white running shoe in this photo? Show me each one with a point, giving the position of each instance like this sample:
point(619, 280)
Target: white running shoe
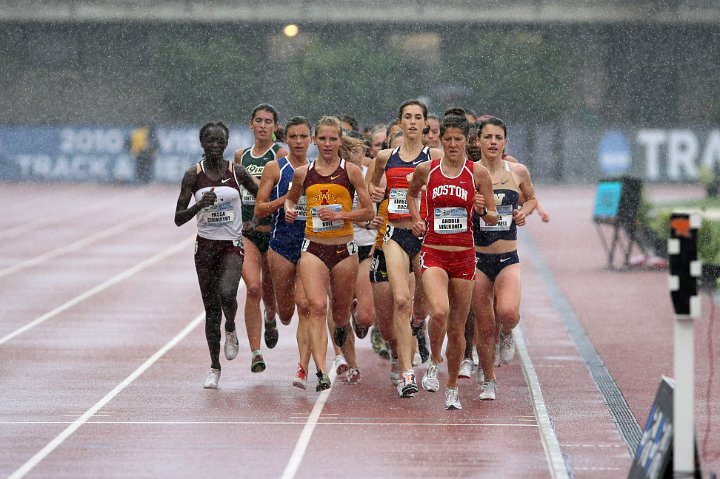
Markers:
point(476, 358)
point(498, 361)
point(407, 387)
point(417, 359)
point(480, 375)
point(211, 381)
point(452, 399)
point(231, 345)
point(340, 365)
point(466, 368)
point(353, 376)
point(488, 390)
point(394, 371)
point(430, 381)
point(507, 348)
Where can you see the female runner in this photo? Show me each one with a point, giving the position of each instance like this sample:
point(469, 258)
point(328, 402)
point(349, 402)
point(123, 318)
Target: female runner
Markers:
point(329, 262)
point(496, 299)
point(455, 187)
point(256, 273)
point(286, 238)
point(215, 184)
point(401, 247)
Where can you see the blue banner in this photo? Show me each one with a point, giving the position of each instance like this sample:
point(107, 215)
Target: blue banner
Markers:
point(30, 153)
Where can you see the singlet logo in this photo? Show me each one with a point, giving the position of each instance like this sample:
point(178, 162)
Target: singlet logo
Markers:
point(499, 198)
point(324, 198)
point(255, 170)
point(452, 190)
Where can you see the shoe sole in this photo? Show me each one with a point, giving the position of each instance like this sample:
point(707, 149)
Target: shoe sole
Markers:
point(409, 392)
point(453, 408)
point(431, 389)
point(342, 369)
point(258, 367)
point(300, 384)
point(271, 337)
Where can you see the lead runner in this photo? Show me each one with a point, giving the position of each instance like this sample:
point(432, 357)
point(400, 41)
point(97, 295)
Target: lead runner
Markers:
point(455, 187)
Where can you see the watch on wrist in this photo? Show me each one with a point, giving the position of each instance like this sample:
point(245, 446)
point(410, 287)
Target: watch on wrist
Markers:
point(484, 211)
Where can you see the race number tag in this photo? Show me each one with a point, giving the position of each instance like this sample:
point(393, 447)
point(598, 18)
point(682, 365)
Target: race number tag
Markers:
point(397, 201)
point(319, 225)
point(505, 220)
point(450, 220)
point(219, 215)
point(247, 198)
point(301, 208)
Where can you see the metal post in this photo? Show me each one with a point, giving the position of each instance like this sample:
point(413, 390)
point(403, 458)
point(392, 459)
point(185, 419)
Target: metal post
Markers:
point(684, 271)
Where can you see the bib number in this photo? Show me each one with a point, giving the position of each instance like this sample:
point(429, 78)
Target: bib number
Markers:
point(397, 201)
point(505, 220)
point(319, 225)
point(450, 220)
point(301, 208)
point(247, 198)
point(219, 215)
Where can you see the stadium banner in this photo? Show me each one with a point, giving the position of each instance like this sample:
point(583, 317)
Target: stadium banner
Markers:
point(553, 154)
point(99, 154)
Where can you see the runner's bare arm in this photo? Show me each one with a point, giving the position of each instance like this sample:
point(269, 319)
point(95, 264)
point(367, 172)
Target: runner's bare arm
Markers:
point(483, 186)
point(263, 206)
point(296, 191)
point(246, 180)
point(417, 182)
point(528, 193)
point(183, 214)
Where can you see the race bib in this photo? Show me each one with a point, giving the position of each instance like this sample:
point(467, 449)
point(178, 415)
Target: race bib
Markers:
point(505, 220)
point(219, 215)
point(301, 208)
point(450, 220)
point(247, 198)
point(397, 201)
point(319, 225)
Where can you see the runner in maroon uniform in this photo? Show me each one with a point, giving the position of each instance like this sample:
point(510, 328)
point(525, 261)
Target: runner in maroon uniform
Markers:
point(215, 184)
point(454, 188)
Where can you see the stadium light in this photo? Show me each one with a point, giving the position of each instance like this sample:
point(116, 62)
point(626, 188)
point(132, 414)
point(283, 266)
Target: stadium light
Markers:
point(291, 30)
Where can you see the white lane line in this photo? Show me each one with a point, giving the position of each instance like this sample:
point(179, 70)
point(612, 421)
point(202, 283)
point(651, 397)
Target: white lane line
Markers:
point(280, 423)
point(304, 439)
point(550, 442)
point(101, 287)
point(78, 244)
point(60, 438)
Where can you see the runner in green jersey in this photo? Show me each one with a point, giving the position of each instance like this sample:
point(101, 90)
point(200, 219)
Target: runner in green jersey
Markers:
point(256, 273)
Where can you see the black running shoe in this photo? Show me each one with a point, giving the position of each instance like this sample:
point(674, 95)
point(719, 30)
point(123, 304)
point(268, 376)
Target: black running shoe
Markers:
point(422, 347)
point(339, 336)
point(419, 333)
point(360, 331)
point(271, 333)
point(323, 381)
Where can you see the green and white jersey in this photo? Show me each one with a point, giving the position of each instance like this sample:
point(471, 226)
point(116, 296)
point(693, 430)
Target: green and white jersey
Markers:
point(255, 165)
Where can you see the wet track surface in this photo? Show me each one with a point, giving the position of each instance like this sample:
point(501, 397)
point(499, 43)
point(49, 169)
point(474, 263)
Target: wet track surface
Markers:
point(102, 358)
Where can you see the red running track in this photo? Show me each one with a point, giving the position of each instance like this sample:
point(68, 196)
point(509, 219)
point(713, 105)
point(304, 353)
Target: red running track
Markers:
point(102, 359)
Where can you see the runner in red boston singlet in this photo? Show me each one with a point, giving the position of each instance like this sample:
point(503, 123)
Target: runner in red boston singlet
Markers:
point(455, 188)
